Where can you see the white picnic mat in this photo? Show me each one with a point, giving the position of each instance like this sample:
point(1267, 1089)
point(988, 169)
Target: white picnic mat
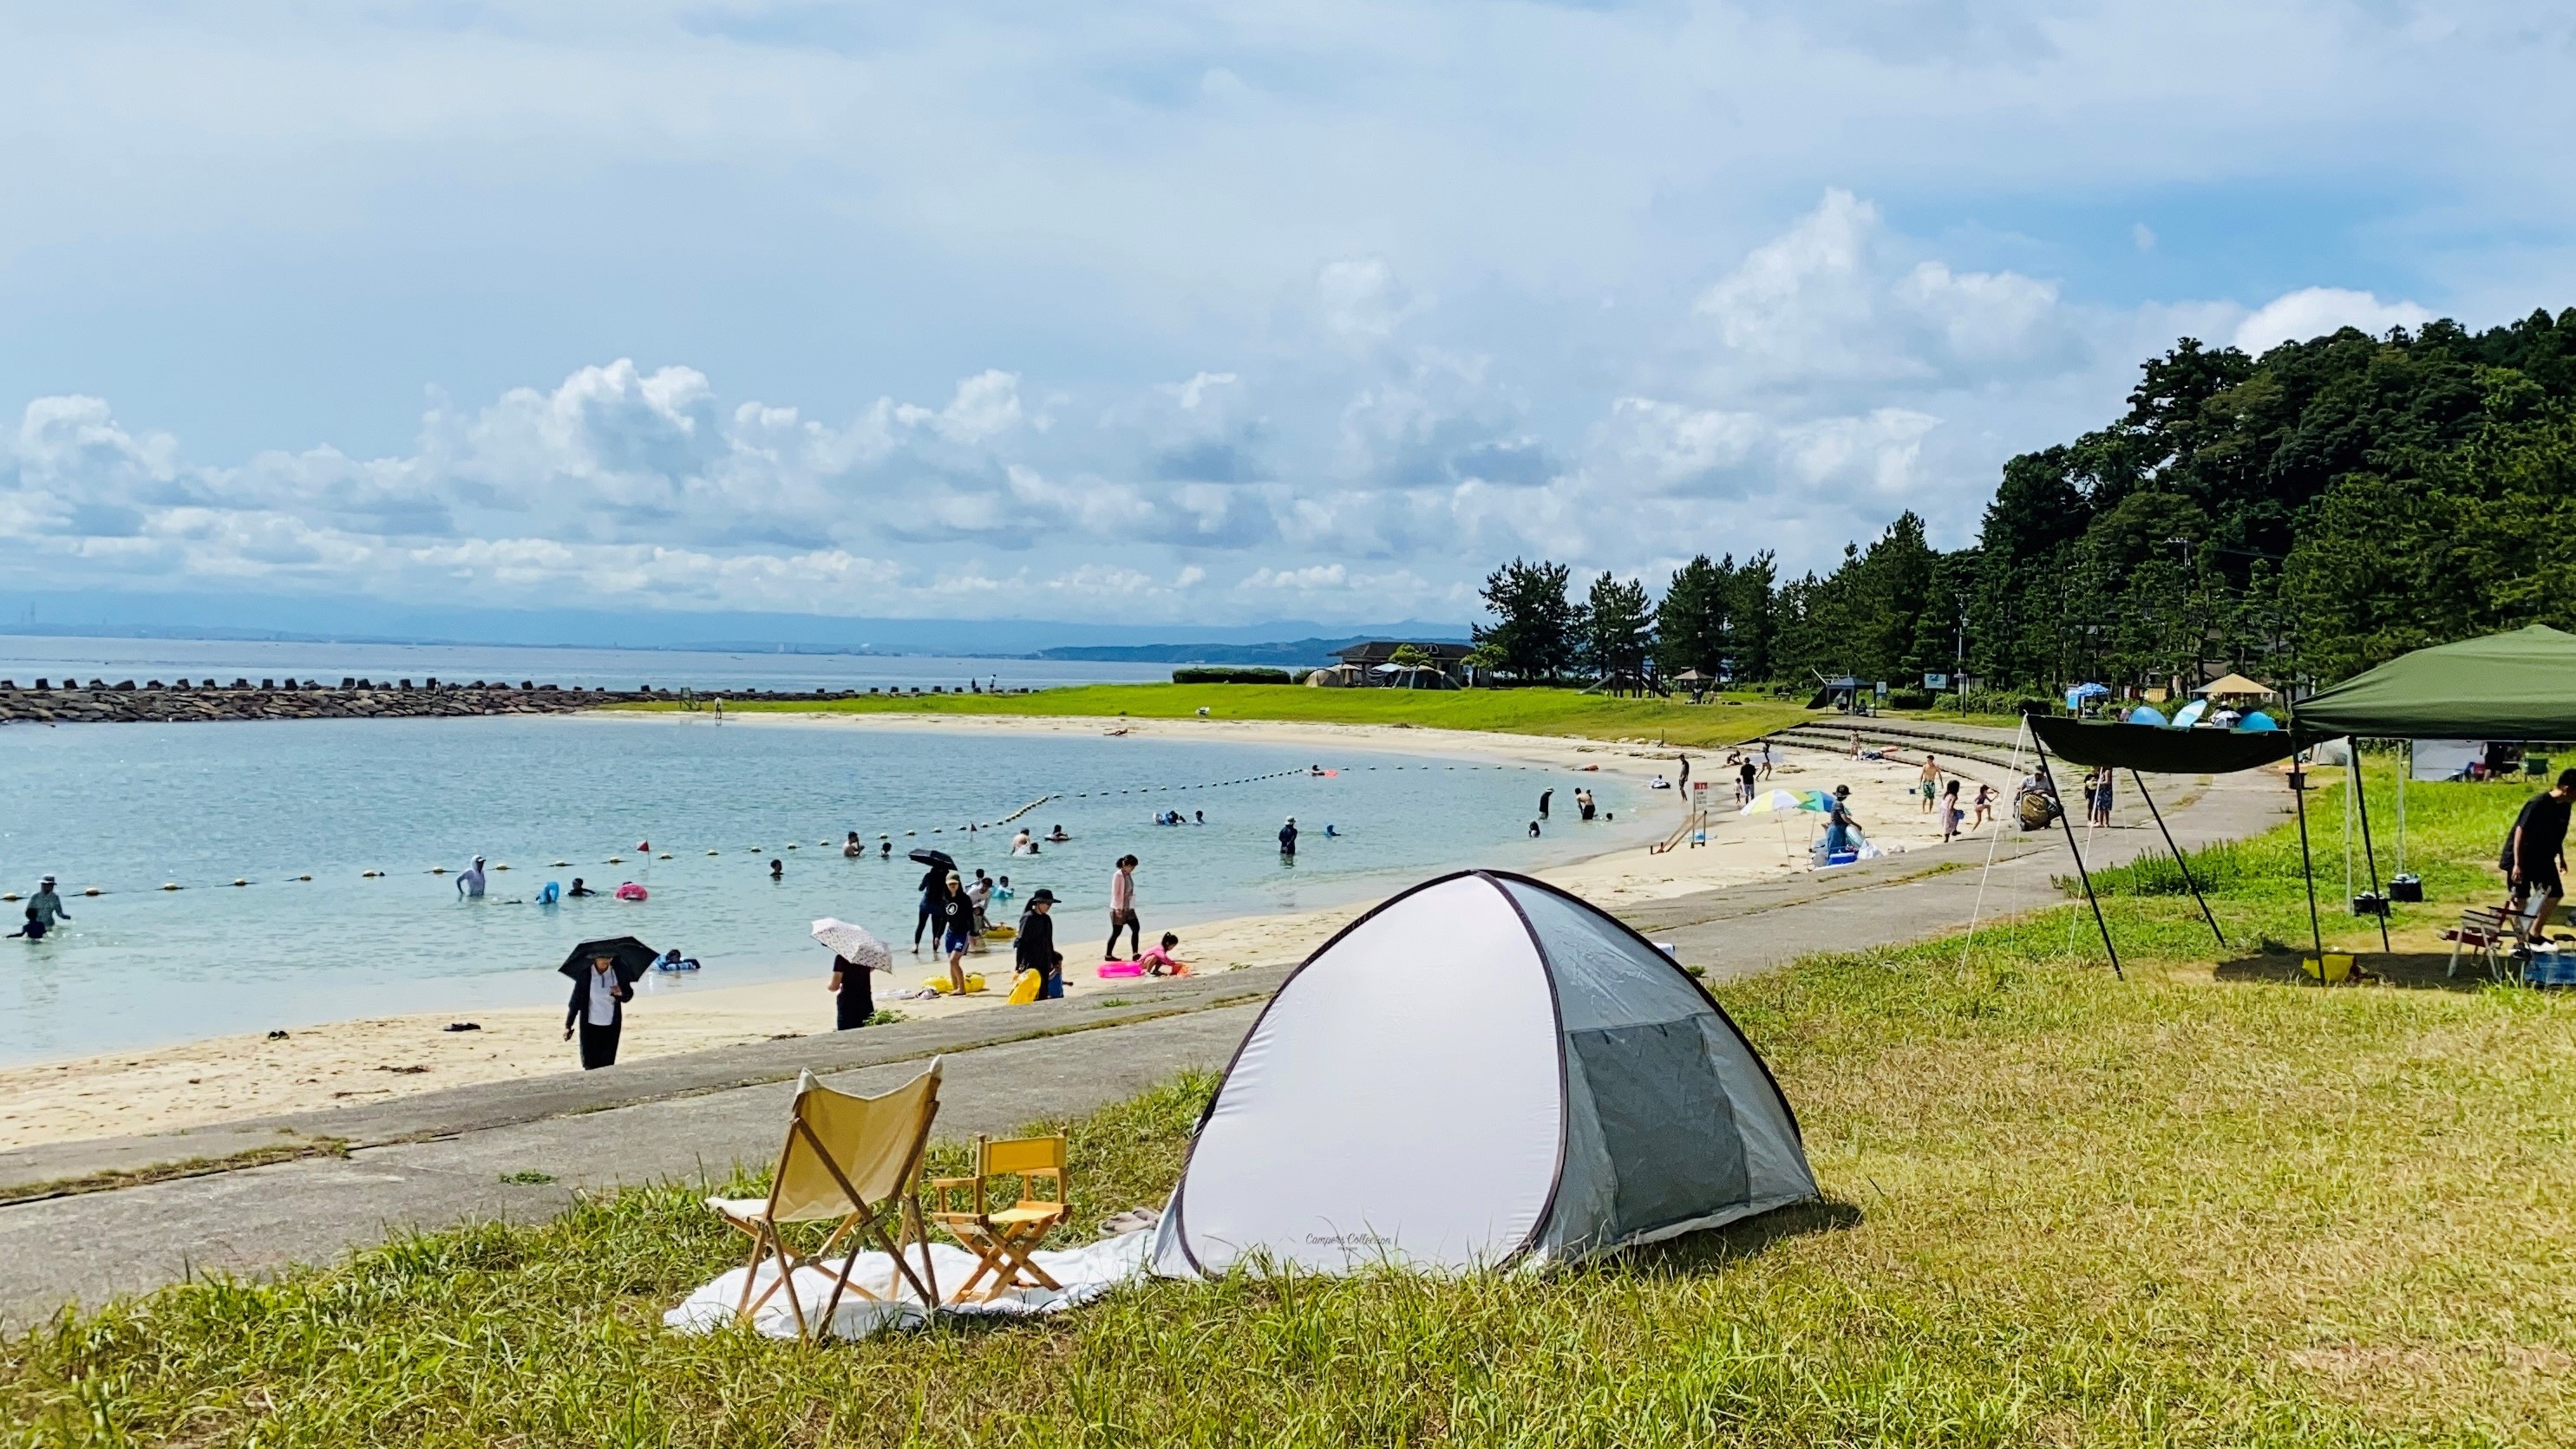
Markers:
point(1085, 1272)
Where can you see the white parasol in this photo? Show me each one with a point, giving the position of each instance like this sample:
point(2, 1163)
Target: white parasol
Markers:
point(853, 943)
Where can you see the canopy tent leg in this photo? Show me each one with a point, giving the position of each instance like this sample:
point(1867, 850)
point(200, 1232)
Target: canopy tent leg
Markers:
point(2136, 779)
point(2307, 862)
point(2361, 796)
point(2085, 875)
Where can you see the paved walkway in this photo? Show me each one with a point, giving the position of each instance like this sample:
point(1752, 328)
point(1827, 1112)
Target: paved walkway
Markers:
point(440, 1157)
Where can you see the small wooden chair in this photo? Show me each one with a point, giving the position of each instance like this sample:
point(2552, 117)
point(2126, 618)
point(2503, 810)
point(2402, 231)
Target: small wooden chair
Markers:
point(853, 1162)
point(1002, 1239)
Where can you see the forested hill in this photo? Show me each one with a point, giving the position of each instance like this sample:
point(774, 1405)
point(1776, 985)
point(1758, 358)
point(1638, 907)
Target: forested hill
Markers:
point(2347, 498)
point(2313, 511)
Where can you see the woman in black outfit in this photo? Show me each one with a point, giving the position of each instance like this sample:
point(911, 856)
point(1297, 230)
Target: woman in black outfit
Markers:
point(854, 993)
point(598, 1012)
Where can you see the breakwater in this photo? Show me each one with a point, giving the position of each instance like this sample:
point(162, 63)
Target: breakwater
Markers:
point(48, 701)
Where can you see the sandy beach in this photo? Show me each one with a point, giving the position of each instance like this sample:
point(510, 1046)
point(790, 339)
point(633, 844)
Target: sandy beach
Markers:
point(345, 1063)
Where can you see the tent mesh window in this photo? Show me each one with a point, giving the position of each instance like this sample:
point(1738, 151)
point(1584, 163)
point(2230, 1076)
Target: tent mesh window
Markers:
point(1667, 1122)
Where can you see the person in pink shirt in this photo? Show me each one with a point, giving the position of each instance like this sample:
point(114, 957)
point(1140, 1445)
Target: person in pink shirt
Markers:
point(1122, 909)
point(1161, 962)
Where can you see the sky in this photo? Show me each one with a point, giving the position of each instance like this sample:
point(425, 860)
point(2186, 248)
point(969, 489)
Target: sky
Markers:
point(1169, 315)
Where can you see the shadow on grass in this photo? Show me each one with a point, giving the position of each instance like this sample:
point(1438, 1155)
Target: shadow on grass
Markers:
point(1719, 1247)
point(2406, 970)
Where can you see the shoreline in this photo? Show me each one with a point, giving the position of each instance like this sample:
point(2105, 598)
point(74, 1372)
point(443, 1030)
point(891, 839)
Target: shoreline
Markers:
point(345, 1063)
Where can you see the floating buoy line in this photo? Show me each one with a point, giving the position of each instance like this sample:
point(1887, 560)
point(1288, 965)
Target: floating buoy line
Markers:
point(969, 828)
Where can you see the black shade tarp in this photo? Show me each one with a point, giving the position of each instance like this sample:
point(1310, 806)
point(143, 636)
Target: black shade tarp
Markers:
point(2157, 750)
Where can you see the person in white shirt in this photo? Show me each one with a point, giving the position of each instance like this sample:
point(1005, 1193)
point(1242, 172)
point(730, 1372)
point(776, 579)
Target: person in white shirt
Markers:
point(469, 883)
point(598, 1012)
point(1122, 910)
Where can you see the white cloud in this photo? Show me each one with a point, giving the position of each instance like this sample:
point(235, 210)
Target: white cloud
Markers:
point(2316, 311)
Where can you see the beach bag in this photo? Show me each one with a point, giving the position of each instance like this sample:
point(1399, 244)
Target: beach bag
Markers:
point(1025, 988)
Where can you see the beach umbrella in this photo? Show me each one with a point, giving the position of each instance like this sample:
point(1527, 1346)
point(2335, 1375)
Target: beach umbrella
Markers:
point(628, 957)
point(1778, 803)
point(939, 858)
point(853, 943)
point(1770, 800)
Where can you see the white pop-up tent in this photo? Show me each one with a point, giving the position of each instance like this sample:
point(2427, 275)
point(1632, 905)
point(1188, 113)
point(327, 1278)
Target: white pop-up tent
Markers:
point(1484, 1071)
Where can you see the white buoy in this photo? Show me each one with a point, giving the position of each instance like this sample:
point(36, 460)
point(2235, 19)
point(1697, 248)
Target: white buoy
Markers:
point(715, 852)
point(665, 855)
point(8, 895)
point(559, 863)
point(169, 885)
point(505, 865)
point(617, 860)
point(237, 880)
point(438, 870)
point(304, 877)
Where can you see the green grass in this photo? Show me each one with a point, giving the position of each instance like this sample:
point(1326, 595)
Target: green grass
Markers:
point(1509, 711)
point(2201, 1207)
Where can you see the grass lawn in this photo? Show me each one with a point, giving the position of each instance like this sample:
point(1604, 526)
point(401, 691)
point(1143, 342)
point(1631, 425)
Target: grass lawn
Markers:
point(1510, 711)
point(2204, 1206)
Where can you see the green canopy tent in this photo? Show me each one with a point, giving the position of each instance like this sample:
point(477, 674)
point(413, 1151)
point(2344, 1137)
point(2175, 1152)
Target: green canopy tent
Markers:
point(2513, 686)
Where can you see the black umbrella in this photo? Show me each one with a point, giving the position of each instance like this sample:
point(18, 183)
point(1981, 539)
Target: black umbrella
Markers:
point(939, 858)
point(628, 957)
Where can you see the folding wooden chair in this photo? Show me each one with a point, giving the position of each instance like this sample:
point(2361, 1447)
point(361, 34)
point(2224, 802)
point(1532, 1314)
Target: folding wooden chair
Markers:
point(854, 1162)
point(1002, 1239)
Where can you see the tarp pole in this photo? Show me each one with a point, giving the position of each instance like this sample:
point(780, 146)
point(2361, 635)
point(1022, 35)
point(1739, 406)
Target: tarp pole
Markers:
point(2361, 793)
point(2307, 862)
point(2086, 876)
point(2140, 781)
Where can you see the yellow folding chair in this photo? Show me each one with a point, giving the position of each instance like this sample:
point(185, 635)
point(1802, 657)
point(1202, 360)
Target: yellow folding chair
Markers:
point(1002, 1239)
point(854, 1162)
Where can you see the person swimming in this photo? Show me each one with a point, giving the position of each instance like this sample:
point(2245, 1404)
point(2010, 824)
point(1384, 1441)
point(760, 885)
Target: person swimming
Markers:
point(673, 961)
point(578, 889)
point(1056, 836)
point(778, 870)
point(885, 848)
point(1330, 833)
point(851, 849)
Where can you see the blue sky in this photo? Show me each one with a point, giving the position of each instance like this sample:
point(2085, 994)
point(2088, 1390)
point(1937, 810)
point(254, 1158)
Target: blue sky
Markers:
point(1168, 314)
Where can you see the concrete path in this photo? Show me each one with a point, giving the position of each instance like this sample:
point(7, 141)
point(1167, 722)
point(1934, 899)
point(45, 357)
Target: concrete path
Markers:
point(440, 1157)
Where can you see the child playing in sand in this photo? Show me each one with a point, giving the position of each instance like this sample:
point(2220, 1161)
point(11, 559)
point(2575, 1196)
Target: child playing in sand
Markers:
point(1161, 962)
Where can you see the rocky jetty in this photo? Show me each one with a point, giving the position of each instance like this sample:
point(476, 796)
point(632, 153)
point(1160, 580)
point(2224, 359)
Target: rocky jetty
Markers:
point(68, 701)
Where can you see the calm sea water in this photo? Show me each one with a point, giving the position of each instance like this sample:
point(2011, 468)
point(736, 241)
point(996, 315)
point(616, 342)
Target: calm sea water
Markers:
point(127, 807)
point(27, 658)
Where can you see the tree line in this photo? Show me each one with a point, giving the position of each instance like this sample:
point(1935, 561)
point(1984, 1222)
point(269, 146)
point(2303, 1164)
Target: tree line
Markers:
point(2298, 516)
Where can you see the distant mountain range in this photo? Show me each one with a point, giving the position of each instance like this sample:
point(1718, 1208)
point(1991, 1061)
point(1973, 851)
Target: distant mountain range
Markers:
point(1285, 652)
point(102, 614)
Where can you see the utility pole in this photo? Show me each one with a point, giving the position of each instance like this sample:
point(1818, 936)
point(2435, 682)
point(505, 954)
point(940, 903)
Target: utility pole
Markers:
point(1959, 665)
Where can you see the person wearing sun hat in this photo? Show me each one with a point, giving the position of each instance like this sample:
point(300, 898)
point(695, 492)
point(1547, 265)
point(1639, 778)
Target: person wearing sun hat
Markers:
point(46, 908)
point(1034, 950)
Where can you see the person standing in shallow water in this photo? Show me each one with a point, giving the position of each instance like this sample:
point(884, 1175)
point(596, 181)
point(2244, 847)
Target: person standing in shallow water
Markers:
point(598, 1013)
point(44, 910)
point(1288, 840)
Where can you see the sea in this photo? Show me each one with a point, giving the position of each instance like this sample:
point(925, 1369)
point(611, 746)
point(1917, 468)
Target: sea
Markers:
point(306, 855)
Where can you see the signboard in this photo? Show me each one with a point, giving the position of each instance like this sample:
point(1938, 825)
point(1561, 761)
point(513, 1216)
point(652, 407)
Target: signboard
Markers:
point(1936, 681)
